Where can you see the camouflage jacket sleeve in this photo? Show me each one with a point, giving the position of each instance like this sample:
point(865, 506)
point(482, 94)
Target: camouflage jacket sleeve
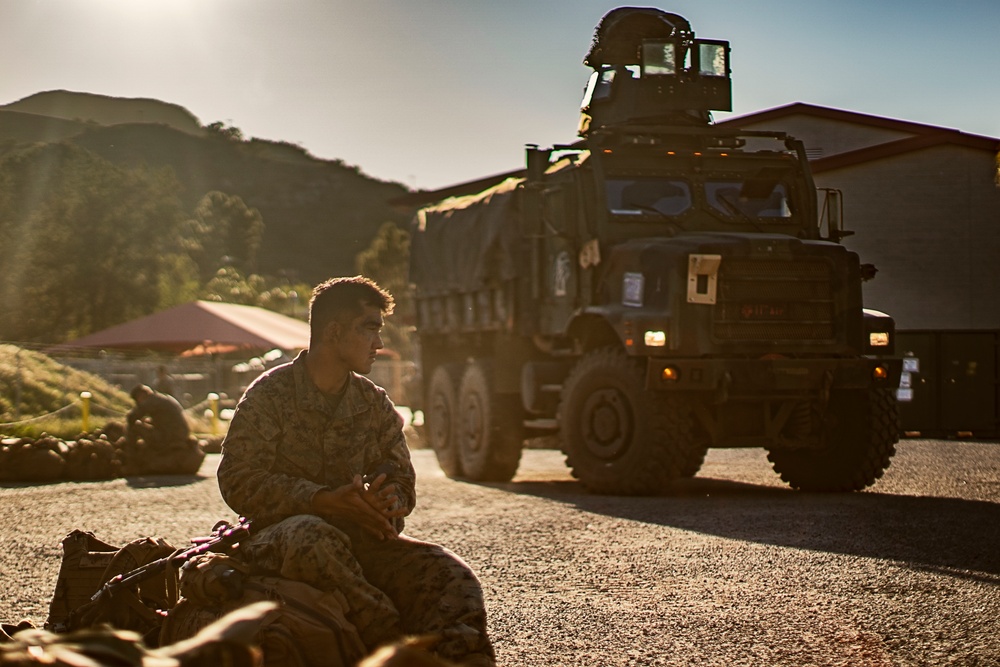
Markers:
point(249, 480)
point(392, 449)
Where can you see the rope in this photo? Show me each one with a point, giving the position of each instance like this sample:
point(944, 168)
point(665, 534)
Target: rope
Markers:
point(194, 410)
point(65, 408)
point(95, 406)
point(198, 406)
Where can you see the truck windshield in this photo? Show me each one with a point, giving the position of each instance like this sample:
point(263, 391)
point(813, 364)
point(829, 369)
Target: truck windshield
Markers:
point(643, 196)
point(748, 199)
point(602, 81)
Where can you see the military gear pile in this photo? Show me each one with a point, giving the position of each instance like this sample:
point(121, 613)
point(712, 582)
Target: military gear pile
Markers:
point(155, 595)
point(308, 627)
point(88, 563)
point(229, 641)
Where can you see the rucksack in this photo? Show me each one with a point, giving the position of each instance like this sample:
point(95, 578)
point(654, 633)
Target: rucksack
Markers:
point(228, 641)
point(88, 563)
point(308, 627)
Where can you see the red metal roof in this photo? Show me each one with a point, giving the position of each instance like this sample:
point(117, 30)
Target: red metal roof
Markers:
point(924, 136)
point(204, 325)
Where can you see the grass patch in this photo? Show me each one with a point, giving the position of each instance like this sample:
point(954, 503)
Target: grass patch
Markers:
point(39, 394)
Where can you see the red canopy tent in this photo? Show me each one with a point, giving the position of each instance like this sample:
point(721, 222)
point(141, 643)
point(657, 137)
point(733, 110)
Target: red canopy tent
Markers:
point(203, 327)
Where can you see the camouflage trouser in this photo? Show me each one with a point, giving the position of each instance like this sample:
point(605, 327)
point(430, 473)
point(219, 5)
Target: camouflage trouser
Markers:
point(152, 435)
point(393, 587)
point(152, 451)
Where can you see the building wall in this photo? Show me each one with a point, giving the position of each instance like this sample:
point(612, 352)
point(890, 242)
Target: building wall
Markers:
point(824, 137)
point(930, 221)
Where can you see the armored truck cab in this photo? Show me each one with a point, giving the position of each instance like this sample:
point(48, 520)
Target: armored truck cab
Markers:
point(658, 288)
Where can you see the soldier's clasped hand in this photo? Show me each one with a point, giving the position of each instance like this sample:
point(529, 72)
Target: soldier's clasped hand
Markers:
point(370, 508)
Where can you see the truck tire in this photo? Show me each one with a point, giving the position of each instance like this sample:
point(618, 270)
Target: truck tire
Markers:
point(691, 466)
point(490, 434)
point(619, 438)
point(860, 439)
point(441, 416)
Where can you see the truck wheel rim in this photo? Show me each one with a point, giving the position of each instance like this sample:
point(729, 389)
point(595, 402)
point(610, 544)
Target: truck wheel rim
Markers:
point(607, 424)
point(441, 424)
point(474, 424)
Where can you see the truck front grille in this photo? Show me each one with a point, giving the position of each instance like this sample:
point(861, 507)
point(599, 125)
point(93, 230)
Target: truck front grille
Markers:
point(769, 300)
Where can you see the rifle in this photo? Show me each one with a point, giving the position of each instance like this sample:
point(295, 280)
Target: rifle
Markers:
point(123, 587)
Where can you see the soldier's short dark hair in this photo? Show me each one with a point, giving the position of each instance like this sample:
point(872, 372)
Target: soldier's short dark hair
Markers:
point(140, 390)
point(345, 298)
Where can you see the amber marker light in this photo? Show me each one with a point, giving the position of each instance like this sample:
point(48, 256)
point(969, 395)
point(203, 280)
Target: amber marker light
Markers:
point(880, 372)
point(670, 374)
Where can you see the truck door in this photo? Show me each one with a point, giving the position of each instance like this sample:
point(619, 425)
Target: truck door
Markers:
point(559, 266)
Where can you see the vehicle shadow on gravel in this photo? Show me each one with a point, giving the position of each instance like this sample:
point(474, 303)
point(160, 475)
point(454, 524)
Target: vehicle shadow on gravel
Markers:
point(157, 481)
point(955, 536)
point(136, 481)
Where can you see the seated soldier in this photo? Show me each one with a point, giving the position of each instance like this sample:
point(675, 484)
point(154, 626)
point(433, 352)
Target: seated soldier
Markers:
point(157, 419)
point(315, 456)
point(158, 439)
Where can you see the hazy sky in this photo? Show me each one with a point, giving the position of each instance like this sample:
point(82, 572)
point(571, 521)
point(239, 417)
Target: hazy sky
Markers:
point(435, 92)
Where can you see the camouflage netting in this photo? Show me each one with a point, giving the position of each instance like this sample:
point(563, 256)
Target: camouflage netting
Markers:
point(619, 35)
point(99, 455)
point(465, 243)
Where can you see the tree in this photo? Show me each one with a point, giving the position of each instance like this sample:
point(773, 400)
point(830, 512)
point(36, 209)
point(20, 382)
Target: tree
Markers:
point(230, 286)
point(84, 242)
point(387, 262)
point(224, 232)
point(228, 132)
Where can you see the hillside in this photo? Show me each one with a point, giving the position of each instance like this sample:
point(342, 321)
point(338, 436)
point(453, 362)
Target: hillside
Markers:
point(35, 385)
point(18, 127)
point(104, 110)
point(318, 214)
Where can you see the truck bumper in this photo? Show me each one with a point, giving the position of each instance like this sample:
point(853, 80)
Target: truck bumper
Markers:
point(763, 378)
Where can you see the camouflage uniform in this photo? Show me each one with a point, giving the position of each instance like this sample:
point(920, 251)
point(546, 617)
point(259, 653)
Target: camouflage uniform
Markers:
point(165, 415)
point(284, 444)
point(158, 439)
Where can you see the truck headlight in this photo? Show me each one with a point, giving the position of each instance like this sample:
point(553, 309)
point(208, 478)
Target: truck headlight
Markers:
point(878, 339)
point(655, 338)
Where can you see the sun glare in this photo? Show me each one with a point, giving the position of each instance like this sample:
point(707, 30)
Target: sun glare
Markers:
point(150, 9)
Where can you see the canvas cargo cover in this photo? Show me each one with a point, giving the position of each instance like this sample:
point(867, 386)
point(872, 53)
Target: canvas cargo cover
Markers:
point(465, 243)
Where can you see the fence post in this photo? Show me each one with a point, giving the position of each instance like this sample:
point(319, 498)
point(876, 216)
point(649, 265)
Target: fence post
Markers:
point(85, 410)
point(17, 386)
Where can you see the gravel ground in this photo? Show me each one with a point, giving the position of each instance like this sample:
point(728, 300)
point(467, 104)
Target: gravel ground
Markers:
point(729, 568)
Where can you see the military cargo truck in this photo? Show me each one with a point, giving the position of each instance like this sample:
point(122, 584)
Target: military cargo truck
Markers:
point(660, 287)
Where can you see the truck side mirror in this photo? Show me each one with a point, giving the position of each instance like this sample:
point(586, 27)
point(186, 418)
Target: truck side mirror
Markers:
point(833, 215)
point(536, 162)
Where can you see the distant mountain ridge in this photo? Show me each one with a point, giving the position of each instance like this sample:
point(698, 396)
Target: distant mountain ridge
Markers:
point(105, 110)
point(318, 214)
